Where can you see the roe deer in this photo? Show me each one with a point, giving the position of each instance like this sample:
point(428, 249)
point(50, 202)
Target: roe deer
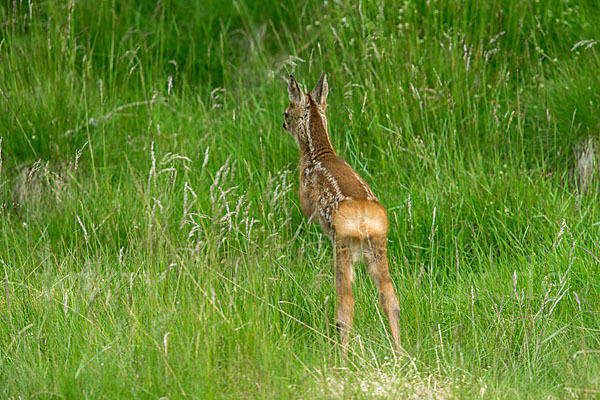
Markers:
point(346, 208)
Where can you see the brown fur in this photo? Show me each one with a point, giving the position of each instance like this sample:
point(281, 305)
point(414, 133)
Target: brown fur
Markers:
point(360, 219)
point(333, 194)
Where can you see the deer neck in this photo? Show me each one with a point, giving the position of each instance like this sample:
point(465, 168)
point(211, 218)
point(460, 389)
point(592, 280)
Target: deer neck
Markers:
point(317, 144)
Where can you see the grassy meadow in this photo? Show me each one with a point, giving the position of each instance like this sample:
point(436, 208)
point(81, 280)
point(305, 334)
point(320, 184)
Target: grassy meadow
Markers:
point(151, 239)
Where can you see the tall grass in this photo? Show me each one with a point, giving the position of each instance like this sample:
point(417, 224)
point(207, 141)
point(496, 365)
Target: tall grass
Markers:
point(151, 240)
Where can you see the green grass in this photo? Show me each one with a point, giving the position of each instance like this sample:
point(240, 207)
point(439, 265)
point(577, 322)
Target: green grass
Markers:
point(151, 241)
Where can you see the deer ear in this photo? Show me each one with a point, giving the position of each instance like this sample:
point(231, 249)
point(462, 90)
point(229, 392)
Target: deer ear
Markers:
point(294, 92)
point(319, 93)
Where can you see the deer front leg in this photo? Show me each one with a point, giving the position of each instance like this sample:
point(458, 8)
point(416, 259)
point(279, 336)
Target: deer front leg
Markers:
point(306, 204)
point(377, 266)
point(343, 286)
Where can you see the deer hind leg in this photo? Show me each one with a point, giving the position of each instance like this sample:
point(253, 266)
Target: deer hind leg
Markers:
point(377, 267)
point(343, 286)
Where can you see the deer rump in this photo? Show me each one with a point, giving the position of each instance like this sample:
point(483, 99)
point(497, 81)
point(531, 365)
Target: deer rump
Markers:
point(360, 219)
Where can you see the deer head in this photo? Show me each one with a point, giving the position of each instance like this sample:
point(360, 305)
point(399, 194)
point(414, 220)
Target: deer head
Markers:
point(297, 112)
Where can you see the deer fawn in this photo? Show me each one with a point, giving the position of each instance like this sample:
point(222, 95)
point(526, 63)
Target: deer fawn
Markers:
point(346, 208)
